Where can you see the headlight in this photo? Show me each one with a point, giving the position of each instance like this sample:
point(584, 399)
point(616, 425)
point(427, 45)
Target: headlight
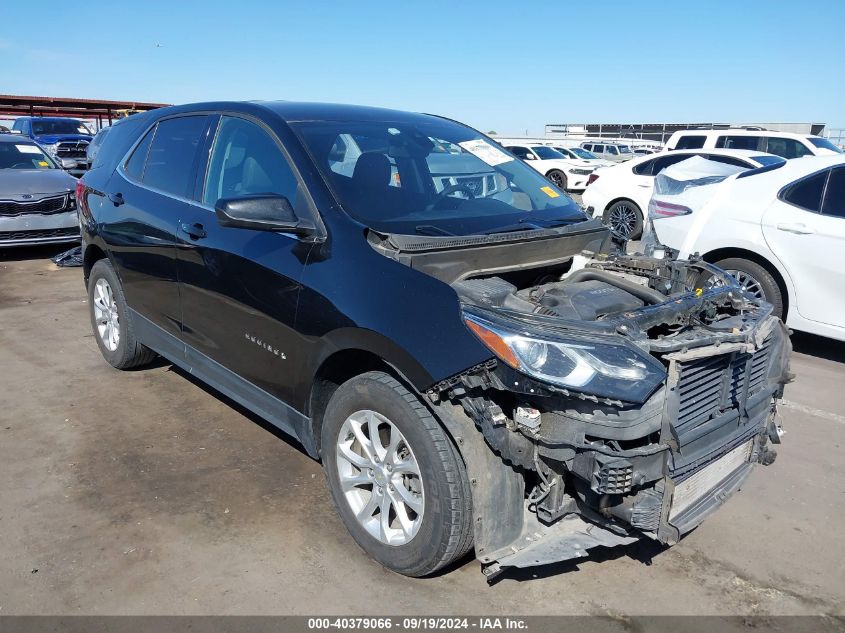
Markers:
point(581, 172)
point(575, 362)
point(51, 149)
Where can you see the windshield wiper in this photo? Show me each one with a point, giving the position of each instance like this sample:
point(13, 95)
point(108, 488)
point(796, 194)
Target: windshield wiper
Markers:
point(525, 225)
point(430, 229)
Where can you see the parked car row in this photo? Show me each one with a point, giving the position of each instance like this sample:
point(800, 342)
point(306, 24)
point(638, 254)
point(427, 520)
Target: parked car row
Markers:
point(37, 197)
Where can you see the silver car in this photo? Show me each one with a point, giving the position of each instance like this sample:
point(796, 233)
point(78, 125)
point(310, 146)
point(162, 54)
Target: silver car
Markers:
point(37, 197)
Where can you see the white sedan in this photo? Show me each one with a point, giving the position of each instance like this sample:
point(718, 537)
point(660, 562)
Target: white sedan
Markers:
point(569, 174)
point(619, 195)
point(780, 231)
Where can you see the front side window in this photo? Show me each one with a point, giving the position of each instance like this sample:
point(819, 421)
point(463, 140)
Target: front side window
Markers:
point(401, 180)
point(738, 142)
point(612, 150)
point(806, 193)
point(786, 147)
point(19, 155)
point(691, 141)
point(246, 160)
point(173, 152)
point(624, 149)
point(834, 195)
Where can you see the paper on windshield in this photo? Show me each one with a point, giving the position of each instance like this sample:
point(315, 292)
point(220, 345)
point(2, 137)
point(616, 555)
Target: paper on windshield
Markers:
point(486, 152)
point(28, 149)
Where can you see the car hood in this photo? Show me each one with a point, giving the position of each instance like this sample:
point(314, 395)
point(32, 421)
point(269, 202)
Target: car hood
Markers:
point(17, 183)
point(49, 139)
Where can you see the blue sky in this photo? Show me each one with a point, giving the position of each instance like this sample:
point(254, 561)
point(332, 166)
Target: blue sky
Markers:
point(508, 66)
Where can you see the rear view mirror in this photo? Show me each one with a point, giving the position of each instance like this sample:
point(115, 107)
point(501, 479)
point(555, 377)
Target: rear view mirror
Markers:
point(261, 212)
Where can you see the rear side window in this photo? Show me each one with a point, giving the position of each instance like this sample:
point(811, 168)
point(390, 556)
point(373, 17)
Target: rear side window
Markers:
point(786, 147)
point(134, 167)
point(806, 193)
point(170, 161)
point(246, 160)
point(521, 152)
point(690, 142)
point(834, 196)
point(738, 142)
point(598, 148)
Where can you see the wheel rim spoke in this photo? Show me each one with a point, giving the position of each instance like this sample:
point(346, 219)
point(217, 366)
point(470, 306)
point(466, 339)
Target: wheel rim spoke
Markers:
point(408, 498)
point(379, 477)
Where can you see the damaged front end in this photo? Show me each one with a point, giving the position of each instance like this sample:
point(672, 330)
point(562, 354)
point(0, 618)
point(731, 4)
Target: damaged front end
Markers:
point(622, 402)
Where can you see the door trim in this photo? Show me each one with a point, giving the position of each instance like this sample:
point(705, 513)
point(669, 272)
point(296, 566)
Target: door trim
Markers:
point(279, 413)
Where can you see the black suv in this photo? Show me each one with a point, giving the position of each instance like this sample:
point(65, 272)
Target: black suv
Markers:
point(474, 361)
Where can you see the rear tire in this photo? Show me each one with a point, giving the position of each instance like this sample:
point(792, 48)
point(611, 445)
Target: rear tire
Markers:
point(558, 178)
point(110, 320)
point(626, 218)
point(376, 405)
point(753, 276)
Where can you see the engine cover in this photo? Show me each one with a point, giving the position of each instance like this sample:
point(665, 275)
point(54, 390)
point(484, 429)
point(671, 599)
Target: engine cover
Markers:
point(583, 300)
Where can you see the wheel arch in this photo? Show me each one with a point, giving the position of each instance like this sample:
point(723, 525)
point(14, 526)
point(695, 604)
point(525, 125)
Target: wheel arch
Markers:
point(624, 199)
point(93, 254)
point(741, 253)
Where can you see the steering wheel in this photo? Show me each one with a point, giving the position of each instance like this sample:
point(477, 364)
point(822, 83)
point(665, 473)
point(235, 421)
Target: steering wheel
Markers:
point(451, 189)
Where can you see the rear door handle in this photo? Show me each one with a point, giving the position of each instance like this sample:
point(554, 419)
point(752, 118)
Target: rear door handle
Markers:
point(117, 199)
point(194, 231)
point(797, 228)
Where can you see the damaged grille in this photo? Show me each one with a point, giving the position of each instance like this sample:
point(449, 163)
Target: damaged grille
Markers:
point(709, 386)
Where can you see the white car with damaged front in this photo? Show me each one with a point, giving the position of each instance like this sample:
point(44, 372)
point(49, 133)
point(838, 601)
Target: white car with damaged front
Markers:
point(779, 230)
point(619, 195)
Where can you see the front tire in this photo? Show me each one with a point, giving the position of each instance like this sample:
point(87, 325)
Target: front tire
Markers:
point(753, 278)
point(399, 485)
point(558, 178)
point(110, 320)
point(626, 218)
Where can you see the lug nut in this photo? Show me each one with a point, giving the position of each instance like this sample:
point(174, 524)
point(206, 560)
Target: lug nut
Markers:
point(378, 490)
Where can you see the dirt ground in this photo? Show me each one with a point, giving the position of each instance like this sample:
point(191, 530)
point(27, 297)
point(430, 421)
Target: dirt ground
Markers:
point(144, 492)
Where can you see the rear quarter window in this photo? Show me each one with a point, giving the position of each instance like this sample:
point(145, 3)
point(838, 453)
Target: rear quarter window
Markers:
point(806, 193)
point(738, 142)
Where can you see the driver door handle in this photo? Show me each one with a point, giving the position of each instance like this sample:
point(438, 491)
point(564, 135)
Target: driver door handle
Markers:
point(194, 231)
point(798, 228)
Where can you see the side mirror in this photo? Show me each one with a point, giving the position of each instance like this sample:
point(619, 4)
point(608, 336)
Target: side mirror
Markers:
point(67, 163)
point(529, 157)
point(261, 212)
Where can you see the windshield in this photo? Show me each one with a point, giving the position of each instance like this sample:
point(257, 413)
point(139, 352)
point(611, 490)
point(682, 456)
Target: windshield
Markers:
point(24, 156)
point(59, 126)
point(823, 143)
point(431, 177)
point(582, 153)
point(547, 153)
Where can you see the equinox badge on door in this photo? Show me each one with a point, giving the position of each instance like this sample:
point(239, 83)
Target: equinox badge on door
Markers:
point(253, 339)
